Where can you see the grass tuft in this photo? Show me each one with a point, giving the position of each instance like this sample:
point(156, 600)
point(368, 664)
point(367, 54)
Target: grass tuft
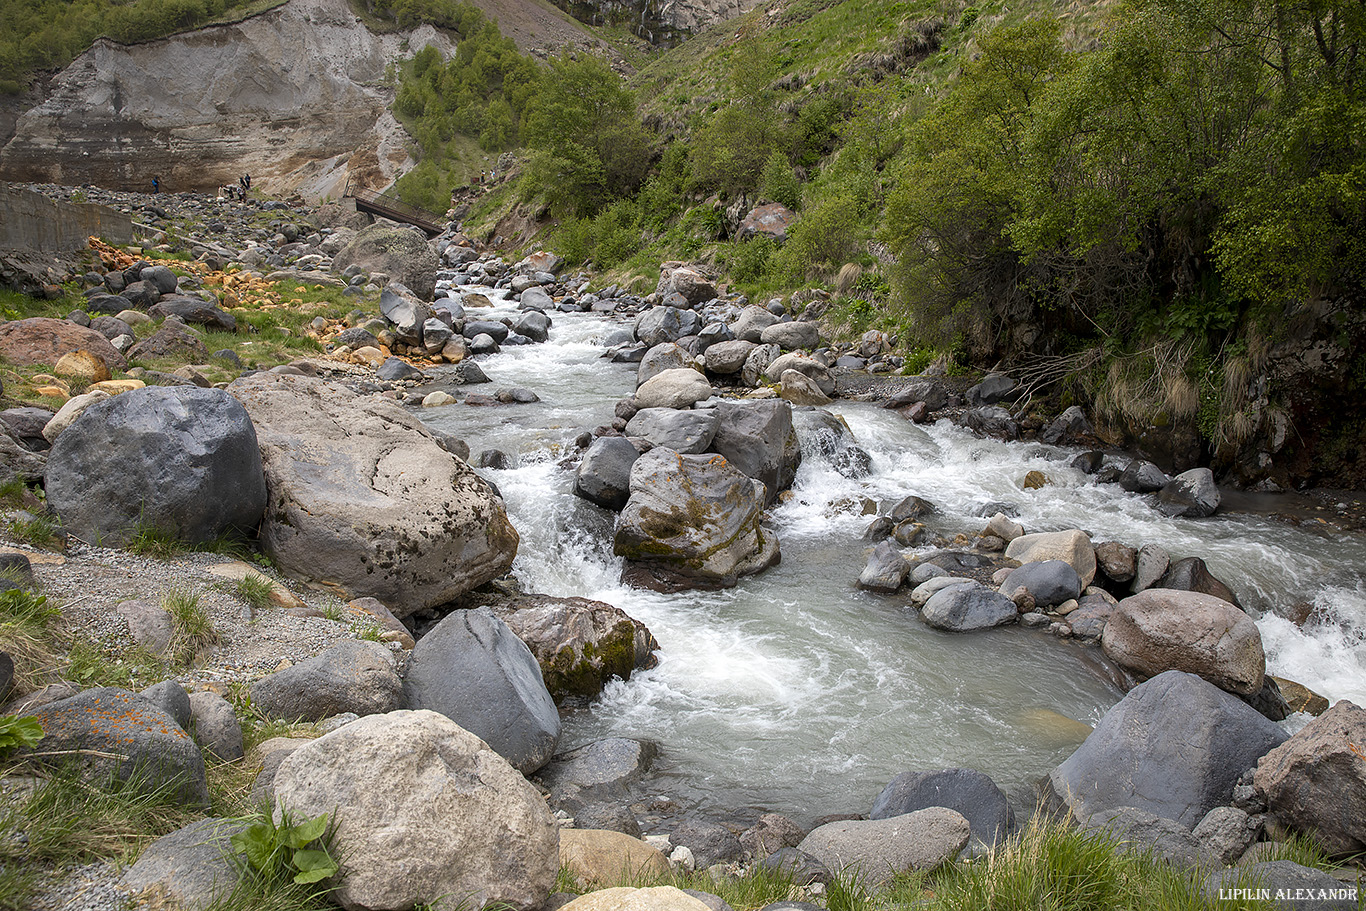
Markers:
point(38, 531)
point(254, 589)
point(193, 629)
point(150, 541)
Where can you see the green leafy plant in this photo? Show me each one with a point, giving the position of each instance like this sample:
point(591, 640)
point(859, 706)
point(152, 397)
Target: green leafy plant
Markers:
point(19, 731)
point(287, 851)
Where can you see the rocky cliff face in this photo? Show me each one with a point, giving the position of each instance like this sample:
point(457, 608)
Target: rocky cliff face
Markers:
point(661, 22)
point(296, 97)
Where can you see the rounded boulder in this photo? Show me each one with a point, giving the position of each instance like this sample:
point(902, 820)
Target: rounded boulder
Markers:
point(182, 459)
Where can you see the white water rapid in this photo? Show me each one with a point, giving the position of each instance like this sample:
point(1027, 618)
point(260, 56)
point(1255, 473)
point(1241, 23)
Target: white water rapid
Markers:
point(796, 692)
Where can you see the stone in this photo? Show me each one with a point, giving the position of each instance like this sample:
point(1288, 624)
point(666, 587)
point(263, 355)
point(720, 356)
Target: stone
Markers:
point(358, 677)
point(1069, 425)
point(453, 823)
point(625, 898)
point(661, 357)
point(802, 868)
point(611, 816)
point(126, 737)
point(149, 625)
point(181, 459)
point(1289, 886)
point(82, 365)
point(1227, 833)
point(770, 219)
point(666, 324)
point(1174, 746)
point(727, 357)
point(1119, 562)
point(1160, 630)
point(1151, 564)
point(967, 791)
point(395, 369)
point(693, 521)
point(964, 608)
point(1315, 782)
point(759, 439)
point(692, 284)
point(371, 505)
point(579, 643)
point(757, 363)
point(1143, 832)
point(1192, 575)
point(172, 699)
point(682, 431)
point(1300, 698)
point(1192, 494)
point(401, 252)
point(804, 364)
point(886, 569)
point(792, 335)
point(438, 399)
point(1003, 527)
point(1142, 477)
point(194, 311)
point(215, 726)
point(533, 324)
point(993, 388)
point(40, 340)
point(878, 849)
point(604, 474)
point(751, 323)
point(472, 669)
point(772, 832)
point(678, 388)
point(172, 340)
point(1072, 547)
point(798, 389)
point(192, 867)
point(1048, 582)
point(710, 842)
point(599, 856)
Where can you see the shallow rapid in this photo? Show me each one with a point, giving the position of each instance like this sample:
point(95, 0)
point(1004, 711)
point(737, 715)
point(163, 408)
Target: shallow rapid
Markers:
point(796, 692)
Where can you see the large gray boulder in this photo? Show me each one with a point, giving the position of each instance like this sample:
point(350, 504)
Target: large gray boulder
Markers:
point(968, 791)
point(727, 357)
point(358, 677)
point(604, 474)
point(666, 324)
point(604, 770)
point(878, 849)
point(471, 668)
point(792, 335)
point(808, 366)
point(751, 323)
point(182, 459)
point(1174, 746)
point(1160, 630)
point(1047, 582)
point(1143, 832)
point(364, 500)
point(682, 431)
point(828, 436)
point(1192, 494)
point(680, 387)
point(886, 569)
point(967, 607)
point(661, 357)
point(400, 252)
point(423, 812)
point(109, 732)
point(693, 522)
point(1073, 547)
point(406, 312)
point(1316, 781)
point(194, 310)
point(579, 643)
point(759, 439)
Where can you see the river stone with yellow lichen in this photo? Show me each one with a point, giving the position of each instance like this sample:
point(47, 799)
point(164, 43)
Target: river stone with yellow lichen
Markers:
point(363, 500)
point(692, 521)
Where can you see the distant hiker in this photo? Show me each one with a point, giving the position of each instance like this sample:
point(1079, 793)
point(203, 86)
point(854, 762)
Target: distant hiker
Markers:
point(246, 182)
point(156, 185)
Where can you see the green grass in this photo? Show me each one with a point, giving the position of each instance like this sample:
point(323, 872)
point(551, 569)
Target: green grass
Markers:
point(12, 492)
point(149, 540)
point(254, 589)
point(65, 820)
point(38, 531)
point(193, 629)
point(28, 625)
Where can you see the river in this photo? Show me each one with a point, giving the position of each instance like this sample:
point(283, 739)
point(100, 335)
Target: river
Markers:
point(795, 692)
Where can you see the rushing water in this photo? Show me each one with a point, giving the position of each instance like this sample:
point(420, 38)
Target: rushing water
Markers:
point(798, 693)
